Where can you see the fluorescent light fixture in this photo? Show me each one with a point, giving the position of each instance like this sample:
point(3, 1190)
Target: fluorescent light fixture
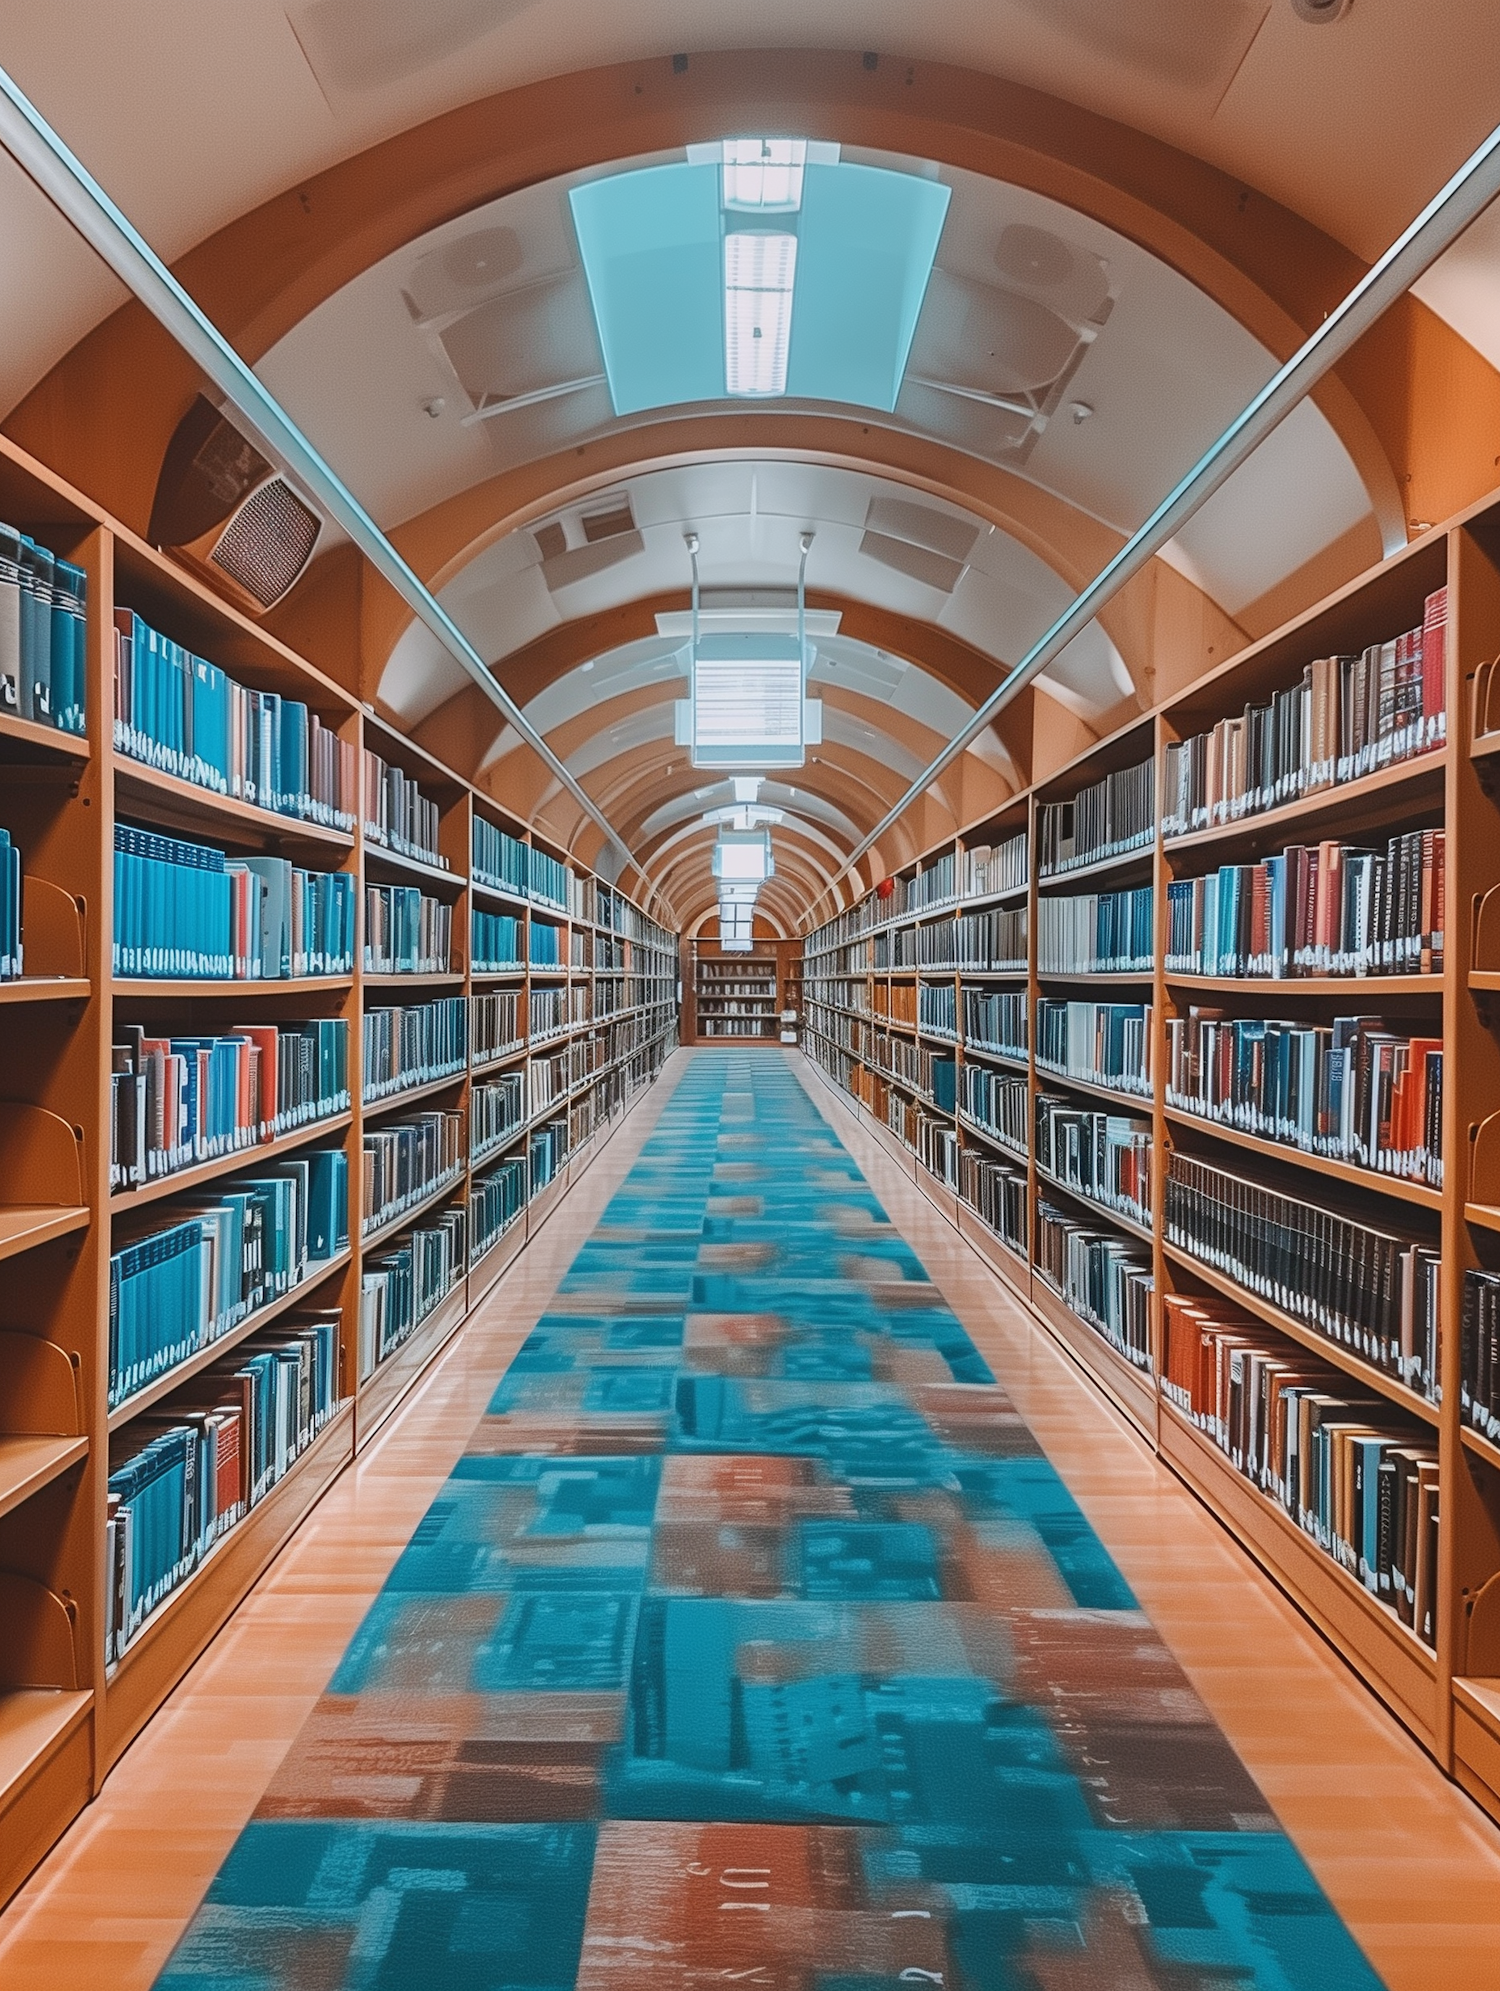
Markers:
point(764, 174)
point(681, 278)
point(747, 702)
point(760, 270)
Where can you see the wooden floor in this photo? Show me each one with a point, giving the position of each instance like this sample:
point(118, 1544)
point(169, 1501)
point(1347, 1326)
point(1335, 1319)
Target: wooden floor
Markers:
point(1413, 1867)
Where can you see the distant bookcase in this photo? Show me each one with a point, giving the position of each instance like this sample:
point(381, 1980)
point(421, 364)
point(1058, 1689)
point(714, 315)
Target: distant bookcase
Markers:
point(286, 782)
point(740, 998)
point(1213, 1084)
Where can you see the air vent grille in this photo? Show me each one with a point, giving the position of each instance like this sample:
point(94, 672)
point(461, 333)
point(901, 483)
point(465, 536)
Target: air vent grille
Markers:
point(267, 542)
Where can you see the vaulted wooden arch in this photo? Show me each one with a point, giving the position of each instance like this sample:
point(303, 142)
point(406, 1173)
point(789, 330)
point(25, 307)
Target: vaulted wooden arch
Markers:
point(1413, 404)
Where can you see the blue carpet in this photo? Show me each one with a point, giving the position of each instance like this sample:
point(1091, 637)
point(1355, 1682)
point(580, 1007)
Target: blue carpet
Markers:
point(753, 1641)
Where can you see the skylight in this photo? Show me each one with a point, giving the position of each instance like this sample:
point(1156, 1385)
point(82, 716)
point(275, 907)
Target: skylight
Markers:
point(764, 175)
point(759, 267)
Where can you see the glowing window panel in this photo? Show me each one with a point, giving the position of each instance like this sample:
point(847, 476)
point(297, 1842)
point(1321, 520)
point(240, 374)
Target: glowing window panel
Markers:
point(747, 708)
point(764, 174)
point(760, 271)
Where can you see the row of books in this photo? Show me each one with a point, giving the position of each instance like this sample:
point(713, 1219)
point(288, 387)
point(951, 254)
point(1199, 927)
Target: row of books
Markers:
point(995, 1101)
point(397, 815)
point(1103, 1156)
point(1102, 1043)
point(995, 1020)
point(213, 1260)
point(1342, 1465)
point(1098, 933)
point(546, 1153)
point(43, 622)
point(1319, 909)
point(1108, 818)
point(405, 1161)
point(401, 1287)
point(186, 717)
point(1357, 1090)
point(543, 944)
point(1370, 1290)
point(937, 1148)
point(185, 911)
point(496, 1025)
point(414, 1044)
point(496, 1110)
point(937, 1009)
point(934, 884)
point(496, 939)
point(1102, 1277)
point(12, 952)
point(1479, 1361)
point(995, 941)
point(406, 931)
point(996, 1192)
point(176, 1101)
point(1344, 717)
point(999, 867)
point(547, 1079)
point(898, 1002)
point(507, 865)
point(179, 1481)
point(496, 1199)
point(547, 1012)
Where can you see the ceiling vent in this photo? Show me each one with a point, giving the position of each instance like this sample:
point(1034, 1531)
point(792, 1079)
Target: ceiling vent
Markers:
point(927, 546)
point(223, 510)
point(580, 544)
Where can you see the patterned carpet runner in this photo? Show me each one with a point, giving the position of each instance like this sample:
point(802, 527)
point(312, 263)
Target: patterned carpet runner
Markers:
point(753, 1642)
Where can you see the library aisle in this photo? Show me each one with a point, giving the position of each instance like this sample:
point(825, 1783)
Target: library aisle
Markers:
point(794, 1608)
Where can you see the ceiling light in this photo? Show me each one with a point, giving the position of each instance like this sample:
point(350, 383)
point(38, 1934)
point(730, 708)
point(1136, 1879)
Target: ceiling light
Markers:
point(764, 174)
point(743, 855)
point(760, 270)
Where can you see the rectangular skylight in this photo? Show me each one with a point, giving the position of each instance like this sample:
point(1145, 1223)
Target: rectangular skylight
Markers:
point(681, 277)
point(760, 271)
point(742, 855)
point(764, 174)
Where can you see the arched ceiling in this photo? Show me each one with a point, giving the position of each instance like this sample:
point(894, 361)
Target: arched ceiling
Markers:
point(1102, 304)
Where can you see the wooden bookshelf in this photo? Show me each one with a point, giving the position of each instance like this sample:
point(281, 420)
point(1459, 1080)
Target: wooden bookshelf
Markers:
point(64, 1716)
point(738, 999)
point(1448, 1693)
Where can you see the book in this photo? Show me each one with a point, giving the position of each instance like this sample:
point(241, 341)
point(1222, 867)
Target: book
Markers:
point(1343, 1464)
point(413, 1044)
point(186, 911)
point(1101, 1276)
point(185, 716)
point(1105, 1157)
point(1371, 1290)
point(407, 1160)
point(1104, 1043)
point(181, 1278)
point(396, 814)
point(1108, 818)
point(1343, 718)
point(407, 932)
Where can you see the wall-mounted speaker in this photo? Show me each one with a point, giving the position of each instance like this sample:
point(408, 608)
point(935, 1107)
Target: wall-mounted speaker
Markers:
point(221, 508)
